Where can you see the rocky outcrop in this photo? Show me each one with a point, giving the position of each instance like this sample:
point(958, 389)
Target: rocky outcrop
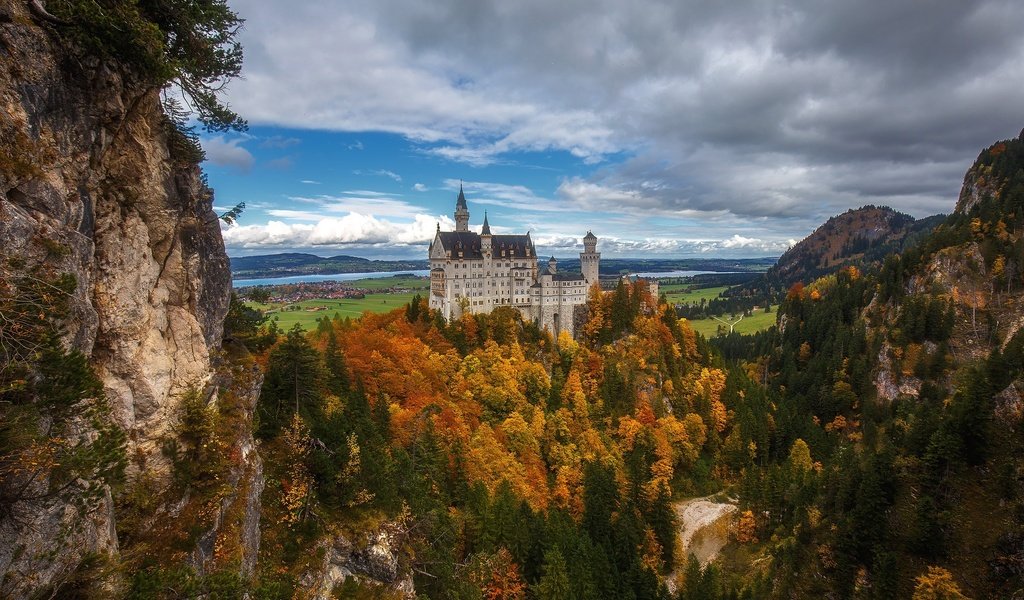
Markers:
point(237, 519)
point(88, 187)
point(375, 560)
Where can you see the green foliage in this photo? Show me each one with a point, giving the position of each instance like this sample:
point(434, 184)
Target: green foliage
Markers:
point(188, 43)
point(197, 453)
point(231, 216)
point(293, 383)
point(57, 438)
point(248, 325)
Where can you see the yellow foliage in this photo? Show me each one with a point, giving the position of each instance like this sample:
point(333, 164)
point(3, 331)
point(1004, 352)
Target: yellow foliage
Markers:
point(937, 584)
point(746, 528)
point(719, 416)
point(800, 456)
point(629, 428)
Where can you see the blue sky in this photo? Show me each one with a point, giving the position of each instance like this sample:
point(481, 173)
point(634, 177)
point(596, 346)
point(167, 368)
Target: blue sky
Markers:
point(680, 129)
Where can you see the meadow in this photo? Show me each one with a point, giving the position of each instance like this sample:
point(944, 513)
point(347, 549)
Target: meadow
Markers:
point(307, 312)
point(677, 292)
point(759, 321)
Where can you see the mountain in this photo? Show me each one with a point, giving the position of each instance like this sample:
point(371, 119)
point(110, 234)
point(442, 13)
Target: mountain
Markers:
point(297, 263)
point(907, 383)
point(859, 237)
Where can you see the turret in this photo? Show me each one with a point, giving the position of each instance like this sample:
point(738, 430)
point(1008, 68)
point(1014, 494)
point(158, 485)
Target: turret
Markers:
point(552, 265)
point(590, 259)
point(461, 212)
point(485, 236)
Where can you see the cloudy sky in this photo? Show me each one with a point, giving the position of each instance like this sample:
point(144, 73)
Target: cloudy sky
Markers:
point(674, 128)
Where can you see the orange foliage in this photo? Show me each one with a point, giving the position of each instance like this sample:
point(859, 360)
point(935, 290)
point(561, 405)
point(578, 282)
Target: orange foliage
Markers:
point(746, 528)
point(498, 577)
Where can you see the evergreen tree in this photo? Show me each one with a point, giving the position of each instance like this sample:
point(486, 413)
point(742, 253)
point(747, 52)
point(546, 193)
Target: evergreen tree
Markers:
point(554, 584)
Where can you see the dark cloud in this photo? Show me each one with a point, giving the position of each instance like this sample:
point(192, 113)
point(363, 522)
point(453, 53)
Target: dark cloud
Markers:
point(791, 110)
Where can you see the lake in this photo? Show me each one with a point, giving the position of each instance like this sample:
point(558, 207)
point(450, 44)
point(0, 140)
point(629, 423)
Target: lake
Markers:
point(239, 283)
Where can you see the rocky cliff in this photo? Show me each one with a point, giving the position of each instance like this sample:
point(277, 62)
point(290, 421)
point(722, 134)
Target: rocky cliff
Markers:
point(90, 187)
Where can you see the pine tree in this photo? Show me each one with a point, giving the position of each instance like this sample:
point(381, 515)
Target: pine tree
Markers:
point(554, 584)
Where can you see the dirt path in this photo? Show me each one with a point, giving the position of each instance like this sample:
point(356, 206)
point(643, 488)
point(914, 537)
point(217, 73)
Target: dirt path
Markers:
point(704, 528)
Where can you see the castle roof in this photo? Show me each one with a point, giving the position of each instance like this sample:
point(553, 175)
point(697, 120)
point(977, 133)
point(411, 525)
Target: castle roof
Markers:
point(560, 276)
point(461, 201)
point(567, 277)
point(487, 228)
point(590, 236)
point(469, 243)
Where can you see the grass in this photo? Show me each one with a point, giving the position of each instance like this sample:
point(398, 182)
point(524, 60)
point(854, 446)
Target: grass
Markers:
point(308, 311)
point(758, 322)
point(308, 314)
point(675, 293)
point(398, 281)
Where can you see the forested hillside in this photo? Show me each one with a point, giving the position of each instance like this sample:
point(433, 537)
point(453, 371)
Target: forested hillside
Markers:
point(502, 460)
point(870, 437)
point(860, 237)
point(906, 385)
point(160, 439)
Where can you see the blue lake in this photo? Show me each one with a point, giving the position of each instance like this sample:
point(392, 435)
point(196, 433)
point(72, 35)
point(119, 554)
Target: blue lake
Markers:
point(239, 283)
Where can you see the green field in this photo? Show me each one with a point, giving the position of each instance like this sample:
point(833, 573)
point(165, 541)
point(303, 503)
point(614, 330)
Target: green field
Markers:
point(675, 293)
point(306, 312)
point(758, 322)
point(310, 310)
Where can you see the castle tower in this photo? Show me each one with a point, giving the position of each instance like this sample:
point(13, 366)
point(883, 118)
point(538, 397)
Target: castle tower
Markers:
point(590, 259)
point(552, 265)
point(485, 237)
point(461, 212)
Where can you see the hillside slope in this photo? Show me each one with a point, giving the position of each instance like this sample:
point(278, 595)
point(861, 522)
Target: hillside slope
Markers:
point(907, 384)
point(860, 237)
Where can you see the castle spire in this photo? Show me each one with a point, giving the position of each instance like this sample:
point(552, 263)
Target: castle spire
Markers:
point(461, 211)
point(487, 228)
point(461, 201)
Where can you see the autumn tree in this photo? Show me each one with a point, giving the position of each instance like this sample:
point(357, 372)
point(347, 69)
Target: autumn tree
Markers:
point(937, 584)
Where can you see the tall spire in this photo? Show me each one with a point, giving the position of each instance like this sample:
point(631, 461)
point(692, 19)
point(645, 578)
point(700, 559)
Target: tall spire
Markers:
point(461, 202)
point(487, 228)
point(461, 211)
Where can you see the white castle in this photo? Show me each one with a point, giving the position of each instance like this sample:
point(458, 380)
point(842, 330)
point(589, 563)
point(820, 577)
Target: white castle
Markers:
point(480, 272)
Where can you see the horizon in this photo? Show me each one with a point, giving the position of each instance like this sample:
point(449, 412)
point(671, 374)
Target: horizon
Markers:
point(671, 131)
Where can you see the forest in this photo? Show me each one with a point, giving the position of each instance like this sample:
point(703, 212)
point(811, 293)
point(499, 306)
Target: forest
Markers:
point(870, 440)
point(522, 466)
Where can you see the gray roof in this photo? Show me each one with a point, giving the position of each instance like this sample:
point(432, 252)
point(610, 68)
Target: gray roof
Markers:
point(559, 276)
point(461, 201)
point(469, 243)
point(567, 277)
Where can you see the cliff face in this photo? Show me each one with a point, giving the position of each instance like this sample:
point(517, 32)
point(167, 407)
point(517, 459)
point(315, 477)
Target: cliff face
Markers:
point(88, 187)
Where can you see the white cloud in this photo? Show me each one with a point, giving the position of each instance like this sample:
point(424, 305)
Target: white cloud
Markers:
point(228, 153)
point(518, 197)
point(390, 174)
point(309, 181)
point(353, 229)
point(363, 202)
point(741, 108)
point(419, 187)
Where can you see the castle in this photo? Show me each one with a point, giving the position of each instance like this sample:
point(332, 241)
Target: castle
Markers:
point(480, 272)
